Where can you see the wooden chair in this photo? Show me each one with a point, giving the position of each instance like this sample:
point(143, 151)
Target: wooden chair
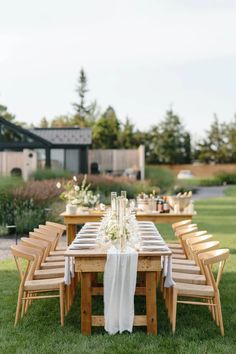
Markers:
point(209, 294)
point(60, 229)
point(54, 263)
point(26, 261)
point(190, 241)
point(178, 224)
point(43, 247)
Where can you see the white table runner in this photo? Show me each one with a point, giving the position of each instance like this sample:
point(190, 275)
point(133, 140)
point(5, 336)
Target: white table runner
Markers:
point(119, 287)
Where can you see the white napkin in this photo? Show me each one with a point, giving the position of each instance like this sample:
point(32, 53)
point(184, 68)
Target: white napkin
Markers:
point(119, 288)
point(168, 272)
point(69, 270)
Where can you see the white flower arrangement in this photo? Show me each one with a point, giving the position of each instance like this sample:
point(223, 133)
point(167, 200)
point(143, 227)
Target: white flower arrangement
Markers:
point(76, 194)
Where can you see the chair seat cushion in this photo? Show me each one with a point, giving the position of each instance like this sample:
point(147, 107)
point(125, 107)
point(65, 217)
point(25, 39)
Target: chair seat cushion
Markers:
point(55, 265)
point(194, 290)
point(179, 256)
point(189, 278)
point(183, 261)
point(57, 253)
point(180, 268)
point(49, 273)
point(55, 259)
point(174, 245)
point(44, 284)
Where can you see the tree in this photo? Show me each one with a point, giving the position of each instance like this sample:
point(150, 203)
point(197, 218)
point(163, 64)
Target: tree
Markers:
point(170, 143)
point(82, 110)
point(61, 121)
point(215, 147)
point(44, 123)
point(127, 138)
point(5, 114)
point(106, 131)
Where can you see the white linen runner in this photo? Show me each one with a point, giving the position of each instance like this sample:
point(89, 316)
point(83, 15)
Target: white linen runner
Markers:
point(69, 270)
point(119, 288)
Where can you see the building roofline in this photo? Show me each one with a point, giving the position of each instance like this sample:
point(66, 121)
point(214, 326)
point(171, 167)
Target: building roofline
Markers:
point(27, 132)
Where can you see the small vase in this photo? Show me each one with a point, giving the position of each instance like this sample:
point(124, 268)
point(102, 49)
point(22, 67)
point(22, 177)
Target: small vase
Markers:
point(71, 209)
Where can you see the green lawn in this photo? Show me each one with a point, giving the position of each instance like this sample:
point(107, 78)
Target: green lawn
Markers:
point(40, 331)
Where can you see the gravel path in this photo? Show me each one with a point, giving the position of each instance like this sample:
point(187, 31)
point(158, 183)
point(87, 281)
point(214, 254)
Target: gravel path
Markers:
point(209, 192)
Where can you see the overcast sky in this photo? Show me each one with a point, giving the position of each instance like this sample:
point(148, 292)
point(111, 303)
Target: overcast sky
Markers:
point(140, 56)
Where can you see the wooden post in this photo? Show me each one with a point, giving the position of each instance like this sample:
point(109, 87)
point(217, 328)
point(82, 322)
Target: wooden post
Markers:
point(151, 307)
point(70, 233)
point(86, 303)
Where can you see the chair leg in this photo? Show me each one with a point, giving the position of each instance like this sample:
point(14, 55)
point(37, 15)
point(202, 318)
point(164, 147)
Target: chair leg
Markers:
point(174, 309)
point(23, 304)
point(19, 301)
point(219, 313)
point(62, 291)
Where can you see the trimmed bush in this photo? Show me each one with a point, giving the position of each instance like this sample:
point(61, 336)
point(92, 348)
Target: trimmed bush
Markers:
point(46, 173)
point(161, 177)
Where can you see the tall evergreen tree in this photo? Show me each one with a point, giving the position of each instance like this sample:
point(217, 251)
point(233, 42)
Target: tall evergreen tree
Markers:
point(82, 111)
point(170, 143)
point(106, 131)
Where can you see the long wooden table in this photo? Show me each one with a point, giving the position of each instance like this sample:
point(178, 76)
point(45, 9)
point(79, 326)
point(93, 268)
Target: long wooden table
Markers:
point(71, 220)
point(90, 262)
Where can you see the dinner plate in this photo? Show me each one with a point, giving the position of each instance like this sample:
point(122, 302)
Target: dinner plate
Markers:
point(86, 235)
point(82, 246)
point(84, 240)
point(154, 248)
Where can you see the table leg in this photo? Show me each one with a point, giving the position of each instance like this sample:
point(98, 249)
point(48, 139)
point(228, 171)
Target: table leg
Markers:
point(70, 233)
point(151, 307)
point(86, 303)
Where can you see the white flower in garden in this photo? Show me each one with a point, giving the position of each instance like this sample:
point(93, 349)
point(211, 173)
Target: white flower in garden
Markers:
point(58, 185)
point(76, 188)
point(75, 178)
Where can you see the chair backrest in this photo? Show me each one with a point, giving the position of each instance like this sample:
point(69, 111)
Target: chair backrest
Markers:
point(58, 228)
point(181, 223)
point(208, 260)
point(195, 250)
point(185, 230)
point(26, 261)
point(56, 225)
point(193, 234)
point(39, 244)
point(51, 235)
point(194, 241)
point(40, 236)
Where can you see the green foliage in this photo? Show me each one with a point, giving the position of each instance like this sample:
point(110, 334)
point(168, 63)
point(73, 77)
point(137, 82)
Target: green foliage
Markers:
point(160, 177)
point(169, 142)
point(214, 148)
point(106, 131)
point(226, 178)
point(3, 230)
point(46, 173)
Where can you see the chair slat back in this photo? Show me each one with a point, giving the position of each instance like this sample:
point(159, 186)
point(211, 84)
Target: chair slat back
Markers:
point(195, 250)
point(53, 229)
point(51, 235)
point(56, 225)
point(24, 255)
point(38, 244)
point(186, 230)
point(194, 241)
point(181, 223)
point(208, 260)
point(41, 236)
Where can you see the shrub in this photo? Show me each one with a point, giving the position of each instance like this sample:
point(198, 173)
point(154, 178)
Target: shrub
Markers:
point(226, 178)
point(47, 173)
point(161, 177)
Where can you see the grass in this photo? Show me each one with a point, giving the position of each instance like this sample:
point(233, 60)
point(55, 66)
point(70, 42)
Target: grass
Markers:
point(40, 331)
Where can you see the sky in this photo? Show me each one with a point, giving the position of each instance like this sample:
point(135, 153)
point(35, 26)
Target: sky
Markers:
point(140, 56)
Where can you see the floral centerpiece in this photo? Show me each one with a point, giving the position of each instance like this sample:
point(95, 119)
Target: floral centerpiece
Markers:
point(78, 195)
